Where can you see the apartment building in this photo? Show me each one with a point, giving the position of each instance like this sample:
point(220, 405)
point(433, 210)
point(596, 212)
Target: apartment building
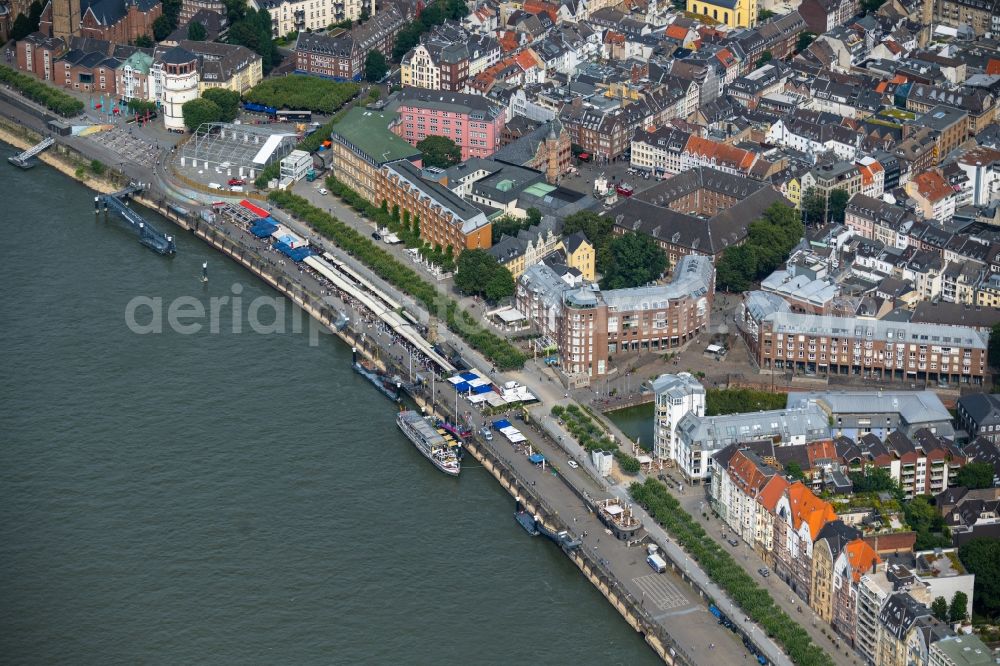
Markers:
point(699, 437)
point(799, 518)
point(340, 55)
point(922, 464)
point(473, 122)
point(979, 415)
point(676, 395)
point(288, 16)
point(888, 351)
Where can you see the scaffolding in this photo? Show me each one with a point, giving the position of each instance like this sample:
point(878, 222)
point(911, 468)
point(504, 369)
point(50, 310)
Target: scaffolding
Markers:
point(231, 150)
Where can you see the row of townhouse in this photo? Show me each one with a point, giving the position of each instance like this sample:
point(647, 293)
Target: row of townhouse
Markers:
point(880, 609)
point(942, 265)
point(669, 151)
point(781, 340)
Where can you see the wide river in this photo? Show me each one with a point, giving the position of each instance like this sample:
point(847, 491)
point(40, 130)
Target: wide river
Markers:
point(234, 498)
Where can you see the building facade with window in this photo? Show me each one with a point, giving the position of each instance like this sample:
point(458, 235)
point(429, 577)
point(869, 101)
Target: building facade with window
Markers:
point(473, 122)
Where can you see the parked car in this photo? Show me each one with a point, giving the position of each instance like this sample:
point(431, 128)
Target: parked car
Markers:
point(323, 191)
point(377, 236)
point(236, 188)
point(236, 181)
point(486, 433)
point(734, 542)
point(572, 464)
point(764, 572)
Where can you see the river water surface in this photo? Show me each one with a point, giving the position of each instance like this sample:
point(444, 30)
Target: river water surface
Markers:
point(235, 498)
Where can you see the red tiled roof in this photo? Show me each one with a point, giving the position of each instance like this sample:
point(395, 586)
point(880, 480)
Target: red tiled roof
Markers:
point(677, 32)
point(539, 6)
point(993, 67)
point(526, 59)
point(932, 186)
point(809, 509)
point(862, 557)
point(772, 492)
point(509, 41)
point(612, 37)
point(722, 153)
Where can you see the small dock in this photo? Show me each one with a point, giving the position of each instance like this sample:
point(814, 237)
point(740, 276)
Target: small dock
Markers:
point(24, 160)
point(148, 234)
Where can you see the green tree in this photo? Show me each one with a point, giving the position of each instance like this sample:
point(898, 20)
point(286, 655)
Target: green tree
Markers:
point(199, 111)
point(636, 260)
point(794, 470)
point(252, 28)
point(994, 347)
point(439, 151)
point(765, 58)
point(228, 102)
point(940, 608)
point(162, 27)
point(804, 40)
point(375, 66)
point(975, 475)
point(35, 14)
point(765, 14)
point(196, 31)
point(981, 556)
point(500, 285)
point(144, 42)
point(97, 167)
point(365, 13)
point(478, 272)
point(871, 6)
point(737, 267)
point(873, 480)
point(297, 91)
point(597, 228)
point(924, 519)
point(21, 28)
point(534, 216)
point(838, 204)
point(814, 206)
point(959, 608)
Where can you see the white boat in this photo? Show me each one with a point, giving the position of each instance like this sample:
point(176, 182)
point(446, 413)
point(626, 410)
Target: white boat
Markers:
point(436, 445)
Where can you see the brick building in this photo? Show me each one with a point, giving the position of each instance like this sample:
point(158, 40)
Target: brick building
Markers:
point(118, 21)
point(473, 122)
point(591, 325)
point(36, 54)
point(340, 55)
point(884, 350)
point(699, 211)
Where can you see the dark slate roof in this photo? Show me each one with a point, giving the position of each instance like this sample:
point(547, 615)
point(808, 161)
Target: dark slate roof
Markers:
point(109, 12)
point(523, 150)
point(648, 211)
point(572, 242)
point(900, 612)
point(838, 534)
point(982, 407)
point(177, 56)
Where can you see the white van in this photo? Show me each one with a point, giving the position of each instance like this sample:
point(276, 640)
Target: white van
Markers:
point(214, 186)
point(235, 188)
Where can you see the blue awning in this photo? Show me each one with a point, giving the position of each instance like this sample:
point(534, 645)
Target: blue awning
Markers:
point(536, 458)
point(468, 376)
point(263, 229)
point(501, 424)
point(463, 387)
point(485, 388)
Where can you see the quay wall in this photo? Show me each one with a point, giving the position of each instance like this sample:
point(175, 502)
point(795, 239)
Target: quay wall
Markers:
point(68, 161)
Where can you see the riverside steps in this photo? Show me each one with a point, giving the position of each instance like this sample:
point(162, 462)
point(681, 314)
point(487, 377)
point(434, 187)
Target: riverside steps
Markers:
point(672, 618)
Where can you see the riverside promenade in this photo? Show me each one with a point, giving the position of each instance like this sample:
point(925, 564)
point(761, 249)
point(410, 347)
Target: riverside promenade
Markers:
point(671, 615)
